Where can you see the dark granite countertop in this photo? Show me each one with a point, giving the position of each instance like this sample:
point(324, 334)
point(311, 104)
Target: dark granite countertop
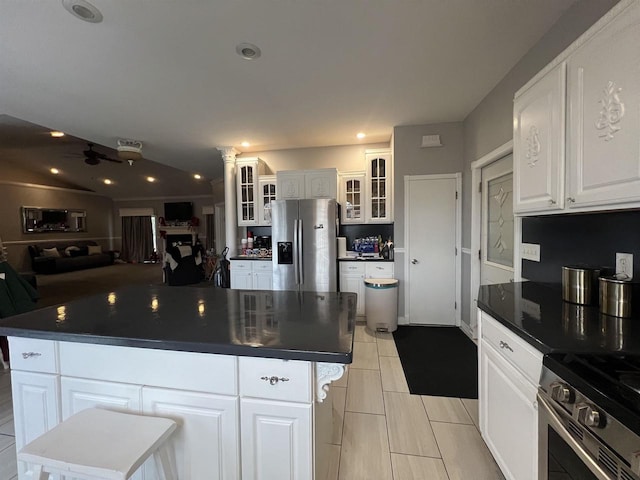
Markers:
point(283, 324)
point(363, 259)
point(251, 257)
point(537, 313)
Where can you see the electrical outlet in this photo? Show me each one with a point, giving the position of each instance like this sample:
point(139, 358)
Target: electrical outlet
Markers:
point(530, 251)
point(624, 264)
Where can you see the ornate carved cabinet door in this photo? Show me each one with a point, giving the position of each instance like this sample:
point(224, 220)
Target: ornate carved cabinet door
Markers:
point(539, 123)
point(603, 132)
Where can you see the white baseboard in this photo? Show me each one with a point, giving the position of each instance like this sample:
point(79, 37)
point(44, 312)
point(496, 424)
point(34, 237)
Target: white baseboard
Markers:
point(403, 321)
point(467, 330)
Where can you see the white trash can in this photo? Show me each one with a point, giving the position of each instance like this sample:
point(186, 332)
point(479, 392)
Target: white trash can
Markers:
point(381, 304)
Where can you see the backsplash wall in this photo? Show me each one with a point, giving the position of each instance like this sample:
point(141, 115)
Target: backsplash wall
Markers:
point(591, 239)
point(358, 231)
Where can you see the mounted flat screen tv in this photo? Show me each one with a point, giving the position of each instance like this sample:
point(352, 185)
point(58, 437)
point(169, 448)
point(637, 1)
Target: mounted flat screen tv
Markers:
point(178, 211)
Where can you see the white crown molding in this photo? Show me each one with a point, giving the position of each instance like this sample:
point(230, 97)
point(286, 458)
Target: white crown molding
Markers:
point(582, 39)
point(54, 240)
point(50, 187)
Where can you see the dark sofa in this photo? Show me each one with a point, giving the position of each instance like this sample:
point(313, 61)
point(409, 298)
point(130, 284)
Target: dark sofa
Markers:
point(68, 260)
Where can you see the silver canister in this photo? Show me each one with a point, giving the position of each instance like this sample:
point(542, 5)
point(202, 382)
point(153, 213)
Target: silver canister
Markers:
point(616, 294)
point(580, 283)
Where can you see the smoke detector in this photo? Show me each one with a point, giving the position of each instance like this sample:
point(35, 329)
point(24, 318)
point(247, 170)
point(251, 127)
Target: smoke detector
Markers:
point(129, 150)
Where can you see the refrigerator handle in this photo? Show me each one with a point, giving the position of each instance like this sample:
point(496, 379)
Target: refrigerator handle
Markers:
point(296, 247)
point(300, 253)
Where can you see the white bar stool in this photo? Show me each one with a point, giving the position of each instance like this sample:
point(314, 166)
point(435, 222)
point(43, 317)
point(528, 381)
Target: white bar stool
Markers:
point(101, 444)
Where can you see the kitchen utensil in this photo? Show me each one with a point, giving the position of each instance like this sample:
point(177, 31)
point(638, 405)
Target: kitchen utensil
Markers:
point(616, 293)
point(580, 283)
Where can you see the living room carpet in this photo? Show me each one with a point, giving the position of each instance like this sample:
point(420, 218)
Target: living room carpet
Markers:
point(438, 361)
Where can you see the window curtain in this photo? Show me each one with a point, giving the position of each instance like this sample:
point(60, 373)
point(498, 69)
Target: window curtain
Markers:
point(210, 232)
point(137, 239)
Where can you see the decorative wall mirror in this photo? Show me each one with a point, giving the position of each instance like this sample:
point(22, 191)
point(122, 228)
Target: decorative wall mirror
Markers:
point(43, 220)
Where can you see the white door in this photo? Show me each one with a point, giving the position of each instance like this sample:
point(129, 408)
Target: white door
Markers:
point(206, 444)
point(497, 230)
point(36, 409)
point(431, 220)
point(276, 440)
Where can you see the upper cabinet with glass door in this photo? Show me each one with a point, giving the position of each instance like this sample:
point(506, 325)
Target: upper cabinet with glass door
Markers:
point(248, 171)
point(379, 186)
point(352, 197)
point(267, 194)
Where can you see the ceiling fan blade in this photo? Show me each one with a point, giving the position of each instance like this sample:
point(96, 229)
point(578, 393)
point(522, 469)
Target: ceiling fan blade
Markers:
point(92, 161)
point(111, 159)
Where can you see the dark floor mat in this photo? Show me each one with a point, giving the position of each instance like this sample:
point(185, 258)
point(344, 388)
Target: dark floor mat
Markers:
point(438, 361)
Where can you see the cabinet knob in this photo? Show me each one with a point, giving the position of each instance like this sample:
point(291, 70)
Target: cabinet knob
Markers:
point(552, 201)
point(26, 355)
point(505, 346)
point(273, 379)
point(571, 200)
point(414, 261)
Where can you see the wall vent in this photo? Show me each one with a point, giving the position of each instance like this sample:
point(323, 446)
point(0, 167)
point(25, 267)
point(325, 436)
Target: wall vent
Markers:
point(431, 141)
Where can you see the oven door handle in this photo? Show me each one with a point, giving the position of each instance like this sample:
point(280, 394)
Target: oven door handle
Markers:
point(556, 422)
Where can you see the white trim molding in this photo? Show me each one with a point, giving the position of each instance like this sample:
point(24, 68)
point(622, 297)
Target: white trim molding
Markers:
point(50, 187)
point(325, 374)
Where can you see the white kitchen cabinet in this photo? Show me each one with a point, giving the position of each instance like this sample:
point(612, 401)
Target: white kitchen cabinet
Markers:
point(604, 118)
point(379, 186)
point(601, 150)
point(299, 184)
point(509, 371)
point(36, 409)
point(266, 195)
point(277, 440)
point(79, 394)
point(252, 274)
point(353, 198)
point(248, 171)
point(207, 442)
point(352, 275)
point(539, 146)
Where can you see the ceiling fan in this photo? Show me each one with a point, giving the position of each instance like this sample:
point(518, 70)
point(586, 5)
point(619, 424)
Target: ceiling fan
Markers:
point(93, 158)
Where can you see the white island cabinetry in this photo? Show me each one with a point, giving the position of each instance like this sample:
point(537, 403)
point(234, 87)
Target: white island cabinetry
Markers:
point(228, 407)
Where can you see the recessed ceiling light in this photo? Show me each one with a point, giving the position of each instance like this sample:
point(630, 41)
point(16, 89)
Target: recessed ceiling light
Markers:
point(197, 176)
point(107, 181)
point(245, 144)
point(248, 51)
point(83, 10)
point(56, 134)
point(151, 179)
point(55, 171)
point(361, 135)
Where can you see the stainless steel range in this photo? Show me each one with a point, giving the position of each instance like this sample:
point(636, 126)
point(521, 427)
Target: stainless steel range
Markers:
point(589, 417)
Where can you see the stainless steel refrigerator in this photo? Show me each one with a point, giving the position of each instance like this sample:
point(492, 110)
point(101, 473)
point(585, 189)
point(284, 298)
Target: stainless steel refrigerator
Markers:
point(304, 245)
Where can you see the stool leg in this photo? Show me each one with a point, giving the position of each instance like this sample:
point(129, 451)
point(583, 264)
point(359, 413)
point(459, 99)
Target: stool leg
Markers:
point(39, 473)
point(165, 463)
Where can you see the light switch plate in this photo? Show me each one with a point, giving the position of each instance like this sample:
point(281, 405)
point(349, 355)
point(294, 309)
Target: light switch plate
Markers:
point(624, 264)
point(530, 251)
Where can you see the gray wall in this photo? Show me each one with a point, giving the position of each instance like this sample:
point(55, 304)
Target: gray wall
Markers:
point(490, 124)
point(411, 159)
point(15, 196)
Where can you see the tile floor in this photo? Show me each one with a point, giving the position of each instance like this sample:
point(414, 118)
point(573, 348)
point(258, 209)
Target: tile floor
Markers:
point(380, 430)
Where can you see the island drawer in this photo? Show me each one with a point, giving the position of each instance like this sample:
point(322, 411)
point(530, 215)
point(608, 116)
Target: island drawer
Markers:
point(275, 379)
point(379, 270)
point(199, 372)
point(33, 355)
point(511, 347)
point(356, 267)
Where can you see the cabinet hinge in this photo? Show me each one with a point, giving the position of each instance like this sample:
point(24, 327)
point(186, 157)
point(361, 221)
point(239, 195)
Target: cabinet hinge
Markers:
point(479, 254)
point(456, 250)
point(480, 187)
point(456, 195)
point(455, 305)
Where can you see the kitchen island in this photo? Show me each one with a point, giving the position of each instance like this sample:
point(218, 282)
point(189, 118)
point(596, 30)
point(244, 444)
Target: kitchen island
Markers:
point(245, 373)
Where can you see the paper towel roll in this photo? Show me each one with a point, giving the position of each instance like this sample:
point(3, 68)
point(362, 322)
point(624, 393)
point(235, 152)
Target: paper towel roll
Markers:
point(342, 247)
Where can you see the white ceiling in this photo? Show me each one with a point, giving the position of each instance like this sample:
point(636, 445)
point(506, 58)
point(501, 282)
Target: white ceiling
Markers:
point(166, 72)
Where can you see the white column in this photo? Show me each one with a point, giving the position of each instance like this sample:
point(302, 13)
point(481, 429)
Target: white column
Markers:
point(231, 224)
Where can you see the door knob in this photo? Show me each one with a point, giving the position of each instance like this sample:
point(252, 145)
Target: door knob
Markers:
point(414, 261)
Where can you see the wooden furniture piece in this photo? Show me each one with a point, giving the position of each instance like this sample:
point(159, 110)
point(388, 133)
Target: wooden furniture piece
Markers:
point(101, 444)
